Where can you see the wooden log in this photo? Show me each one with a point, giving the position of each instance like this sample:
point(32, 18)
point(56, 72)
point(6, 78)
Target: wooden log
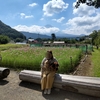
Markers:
point(4, 72)
point(79, 84)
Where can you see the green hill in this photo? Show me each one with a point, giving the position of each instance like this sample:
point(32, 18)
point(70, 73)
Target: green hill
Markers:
point(10, 32)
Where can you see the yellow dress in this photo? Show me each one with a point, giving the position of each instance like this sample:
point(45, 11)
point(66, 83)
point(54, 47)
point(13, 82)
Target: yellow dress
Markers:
point(47, 73)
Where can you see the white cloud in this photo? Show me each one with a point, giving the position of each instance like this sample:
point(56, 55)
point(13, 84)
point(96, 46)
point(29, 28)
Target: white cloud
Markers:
point(33, 4)
point(84, 10)
point(81, 21)
point(54, 6)
point(36, 29)
point(83, 25)
point(31, 16)
point(42, 19)
point(59, 20)
point(23, 15)
point(87, 20)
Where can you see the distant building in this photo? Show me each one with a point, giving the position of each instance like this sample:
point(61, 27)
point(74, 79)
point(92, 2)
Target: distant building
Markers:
point(32, 41)
point(55, 43)
point(58, 43)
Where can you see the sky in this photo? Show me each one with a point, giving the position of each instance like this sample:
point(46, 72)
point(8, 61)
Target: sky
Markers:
point(50, 16)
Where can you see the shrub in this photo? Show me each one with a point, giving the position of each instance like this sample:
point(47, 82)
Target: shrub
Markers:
point(4, 39)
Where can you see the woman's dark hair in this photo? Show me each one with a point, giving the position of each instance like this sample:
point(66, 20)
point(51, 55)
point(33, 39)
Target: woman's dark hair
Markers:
point(50, 52)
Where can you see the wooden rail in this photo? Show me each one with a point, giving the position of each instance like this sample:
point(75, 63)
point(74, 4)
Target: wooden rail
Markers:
point(79, 84)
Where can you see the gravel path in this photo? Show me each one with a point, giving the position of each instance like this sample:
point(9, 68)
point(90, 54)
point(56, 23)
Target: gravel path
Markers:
point(12, 88)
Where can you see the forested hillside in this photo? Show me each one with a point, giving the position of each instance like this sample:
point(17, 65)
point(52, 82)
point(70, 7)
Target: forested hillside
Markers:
point(10, 32)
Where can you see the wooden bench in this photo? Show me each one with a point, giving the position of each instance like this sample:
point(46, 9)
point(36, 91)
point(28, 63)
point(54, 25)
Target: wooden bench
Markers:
point(4, 72)
point(79, 84)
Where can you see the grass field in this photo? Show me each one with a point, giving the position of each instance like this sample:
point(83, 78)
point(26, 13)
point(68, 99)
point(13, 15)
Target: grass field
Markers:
point(23, 57)
point(8, 46)
point(96, 63)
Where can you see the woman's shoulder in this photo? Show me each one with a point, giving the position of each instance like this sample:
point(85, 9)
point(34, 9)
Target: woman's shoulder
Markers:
point(44, 58)
point(54, 58)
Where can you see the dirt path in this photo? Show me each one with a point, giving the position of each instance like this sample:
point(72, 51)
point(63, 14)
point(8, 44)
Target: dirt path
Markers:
point(12, 88)
point(85, 67)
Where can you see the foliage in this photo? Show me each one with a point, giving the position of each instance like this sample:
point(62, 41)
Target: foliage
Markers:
point(95, 35)
point(8, 31)
point(4, 39)
point(18, 40)
point(53, 36)
point(95, 3)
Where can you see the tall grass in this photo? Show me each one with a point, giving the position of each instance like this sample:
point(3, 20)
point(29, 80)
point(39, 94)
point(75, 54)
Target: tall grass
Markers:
point(96, 63)
point(30, 58)
point(10, 45)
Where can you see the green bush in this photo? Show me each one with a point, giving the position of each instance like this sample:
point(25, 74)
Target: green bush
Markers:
point(4, 39)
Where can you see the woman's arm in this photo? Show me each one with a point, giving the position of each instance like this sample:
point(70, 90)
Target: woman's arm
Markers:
point(42, 65)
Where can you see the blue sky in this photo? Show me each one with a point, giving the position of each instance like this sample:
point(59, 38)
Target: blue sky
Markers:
point(59, 15)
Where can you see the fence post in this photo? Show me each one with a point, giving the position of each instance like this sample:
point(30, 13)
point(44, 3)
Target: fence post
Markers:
point(71, 61)
point(86, 48)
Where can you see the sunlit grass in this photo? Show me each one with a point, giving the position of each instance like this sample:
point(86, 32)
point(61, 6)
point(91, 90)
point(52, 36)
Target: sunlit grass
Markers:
point(96, 63)
point(30, 58)
point(10, 45)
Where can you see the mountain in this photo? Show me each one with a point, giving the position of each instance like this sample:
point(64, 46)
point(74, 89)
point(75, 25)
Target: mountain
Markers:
point(48, 26)
point(10, 32)
point(58, 35)
point(63, 35)
point(35, 35)
point(13, 34)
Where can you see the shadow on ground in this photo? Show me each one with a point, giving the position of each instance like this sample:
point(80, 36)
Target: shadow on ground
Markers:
point(57, 94)
point(3, 82)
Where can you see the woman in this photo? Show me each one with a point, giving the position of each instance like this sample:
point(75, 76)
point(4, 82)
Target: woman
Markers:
point(49, 66)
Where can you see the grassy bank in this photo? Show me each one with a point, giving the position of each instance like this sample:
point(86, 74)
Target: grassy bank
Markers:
point(96, 63)
point(30, 58)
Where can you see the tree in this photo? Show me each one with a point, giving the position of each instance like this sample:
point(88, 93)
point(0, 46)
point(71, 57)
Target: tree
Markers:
point(53, 36)
point(95, 35)
point(4, 39)
point(18, 40)
point(97, 42)
point(95, 3)
point(39, 39)
point(72, 41)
